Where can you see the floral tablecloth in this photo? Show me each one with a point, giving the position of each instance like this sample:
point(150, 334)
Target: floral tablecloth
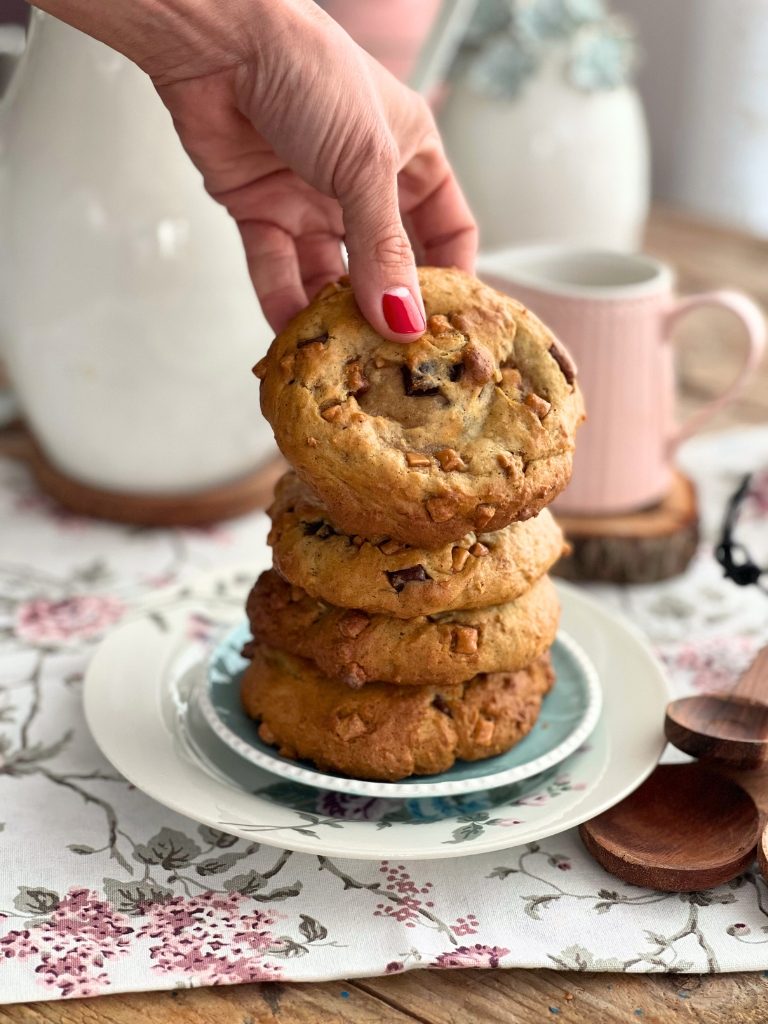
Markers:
point(102, 890)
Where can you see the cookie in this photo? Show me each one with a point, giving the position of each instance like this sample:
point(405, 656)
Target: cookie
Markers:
point(465, 430)
point(389, 732)
point(451, 647)
point(391, 578)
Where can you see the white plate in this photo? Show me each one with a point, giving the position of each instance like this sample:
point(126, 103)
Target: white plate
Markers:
point(568, 716)
point(140, 706)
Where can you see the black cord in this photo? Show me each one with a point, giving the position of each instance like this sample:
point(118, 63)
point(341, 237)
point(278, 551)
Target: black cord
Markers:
point(738, 565)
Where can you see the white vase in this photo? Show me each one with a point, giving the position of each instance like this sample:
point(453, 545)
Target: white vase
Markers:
point(128, 323)
point(553, 164)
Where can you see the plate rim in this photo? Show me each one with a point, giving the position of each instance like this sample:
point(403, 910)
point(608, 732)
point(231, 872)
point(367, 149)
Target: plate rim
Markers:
point(98, 713)
point(398, 790)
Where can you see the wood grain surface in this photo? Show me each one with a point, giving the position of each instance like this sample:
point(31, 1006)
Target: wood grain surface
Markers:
point(639, 547)
point(709, 349)
point(432, 997)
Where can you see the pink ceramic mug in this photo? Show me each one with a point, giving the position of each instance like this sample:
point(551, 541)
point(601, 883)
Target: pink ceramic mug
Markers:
point(615, 312)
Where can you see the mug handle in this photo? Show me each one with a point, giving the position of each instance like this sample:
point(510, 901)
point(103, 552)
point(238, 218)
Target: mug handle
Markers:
point(751, 317)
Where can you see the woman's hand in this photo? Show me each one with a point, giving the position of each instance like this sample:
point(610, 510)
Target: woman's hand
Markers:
point(306, 140)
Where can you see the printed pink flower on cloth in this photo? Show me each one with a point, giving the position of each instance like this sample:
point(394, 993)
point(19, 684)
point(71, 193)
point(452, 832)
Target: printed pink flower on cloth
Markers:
point(213, 938)
point(408, 908)
point(710, 662)
point(42, 621)
point(471, 956)
point(73, 945)
point(208, 939)
point(468, 925)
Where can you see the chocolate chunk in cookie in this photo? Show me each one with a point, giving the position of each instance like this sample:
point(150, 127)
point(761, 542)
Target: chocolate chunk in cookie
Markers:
point(393, 578)
point(444, 648)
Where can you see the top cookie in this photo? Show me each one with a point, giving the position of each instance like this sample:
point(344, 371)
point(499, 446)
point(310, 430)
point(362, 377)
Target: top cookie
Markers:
point(466, 429)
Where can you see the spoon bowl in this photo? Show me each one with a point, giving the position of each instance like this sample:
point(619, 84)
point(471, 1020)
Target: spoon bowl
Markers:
point(722, 727)
point(685, 829)
point(730, 728)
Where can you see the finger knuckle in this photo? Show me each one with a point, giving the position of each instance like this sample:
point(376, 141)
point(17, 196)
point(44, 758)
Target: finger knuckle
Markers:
point(422, 112)
point(392, 249)
point(369, 152)
point(377, 151)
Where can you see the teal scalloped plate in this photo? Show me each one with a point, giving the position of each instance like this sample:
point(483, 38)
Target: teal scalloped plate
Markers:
point(568, 715)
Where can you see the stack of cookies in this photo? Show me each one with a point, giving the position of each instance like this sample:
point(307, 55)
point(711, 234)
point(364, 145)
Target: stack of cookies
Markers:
point(408, 618)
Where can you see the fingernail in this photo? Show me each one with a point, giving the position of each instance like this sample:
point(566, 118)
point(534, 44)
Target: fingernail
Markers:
point(402, 312)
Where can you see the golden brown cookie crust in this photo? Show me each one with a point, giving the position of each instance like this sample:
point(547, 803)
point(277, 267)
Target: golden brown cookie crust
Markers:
point(386, 577)
point(442, 649)
point(387, 732)
point(465, 430)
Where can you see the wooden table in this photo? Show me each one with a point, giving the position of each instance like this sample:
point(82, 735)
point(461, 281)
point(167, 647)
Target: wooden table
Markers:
point(709, 347)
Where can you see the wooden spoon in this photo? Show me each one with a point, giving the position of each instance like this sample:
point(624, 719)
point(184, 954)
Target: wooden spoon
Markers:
point(686, 828)
point(728, 727)
point(762, 853)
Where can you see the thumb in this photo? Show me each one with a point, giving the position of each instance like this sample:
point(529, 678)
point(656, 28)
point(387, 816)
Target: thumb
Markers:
point(382, 268)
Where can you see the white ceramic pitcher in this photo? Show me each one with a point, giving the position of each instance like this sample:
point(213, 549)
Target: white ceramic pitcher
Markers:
point(128, 323)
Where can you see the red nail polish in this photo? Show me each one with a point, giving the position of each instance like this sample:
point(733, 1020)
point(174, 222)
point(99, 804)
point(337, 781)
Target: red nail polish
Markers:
point(401, 312)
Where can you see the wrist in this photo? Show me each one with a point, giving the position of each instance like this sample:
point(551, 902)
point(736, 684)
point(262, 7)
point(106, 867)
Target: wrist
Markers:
point(176, 39)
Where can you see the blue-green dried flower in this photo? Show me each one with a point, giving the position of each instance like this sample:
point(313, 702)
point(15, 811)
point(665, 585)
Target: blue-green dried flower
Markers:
point(542, 20)
point(490, 17)
point(601, 56)
point(507, 39)
point(501, 67)
point(583, 11)
point(539, 20)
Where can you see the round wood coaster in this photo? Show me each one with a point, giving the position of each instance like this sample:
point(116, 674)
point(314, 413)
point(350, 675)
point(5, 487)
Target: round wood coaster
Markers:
point(685, 829)
point(640, 547)
point(197, 508)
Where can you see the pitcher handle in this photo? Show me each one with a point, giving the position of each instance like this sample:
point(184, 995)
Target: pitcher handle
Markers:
point(751, 317)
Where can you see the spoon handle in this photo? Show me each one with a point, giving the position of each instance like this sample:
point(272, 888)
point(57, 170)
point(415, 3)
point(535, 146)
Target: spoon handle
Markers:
point(753, 685)
point(762, 853)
